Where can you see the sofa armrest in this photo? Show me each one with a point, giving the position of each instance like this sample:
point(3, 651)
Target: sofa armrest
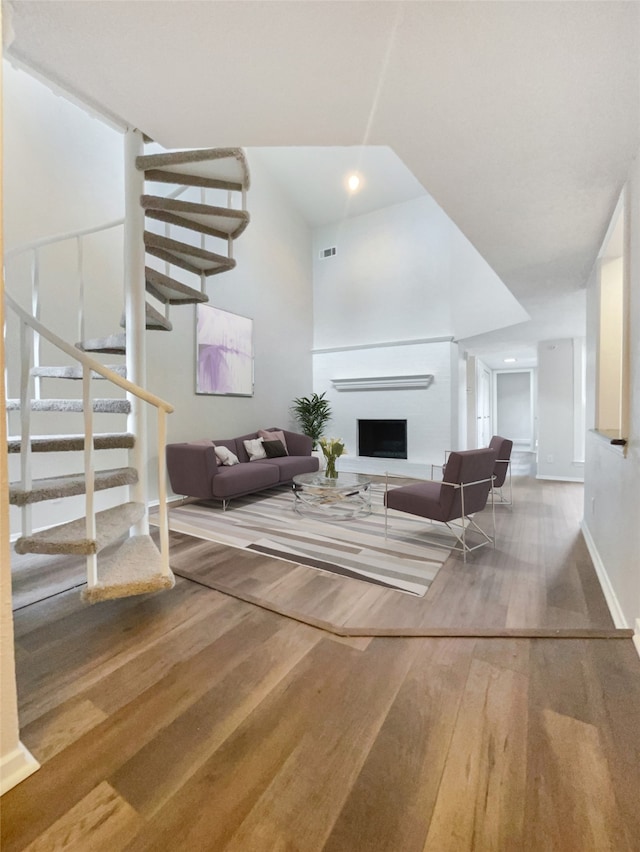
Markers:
point(191, 468)
point(298, 444)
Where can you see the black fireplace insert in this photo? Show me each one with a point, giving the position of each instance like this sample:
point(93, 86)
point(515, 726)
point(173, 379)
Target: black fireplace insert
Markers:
point(386, 439)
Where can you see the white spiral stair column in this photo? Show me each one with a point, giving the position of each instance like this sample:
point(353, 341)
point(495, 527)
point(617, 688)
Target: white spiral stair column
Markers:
point(135, 297)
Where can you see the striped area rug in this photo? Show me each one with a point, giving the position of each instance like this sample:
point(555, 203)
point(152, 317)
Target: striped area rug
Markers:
point(267, 523)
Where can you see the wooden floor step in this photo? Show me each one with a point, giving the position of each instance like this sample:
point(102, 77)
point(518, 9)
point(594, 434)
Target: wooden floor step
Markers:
point(193, 259)
point(99, 406)
point(71, 443)
point(221, 222)
point(71, 538)
point(69, 485)
point(74, 372)
point(112, 344)
point(169, 291)
point(135, 569)
point(215, 168)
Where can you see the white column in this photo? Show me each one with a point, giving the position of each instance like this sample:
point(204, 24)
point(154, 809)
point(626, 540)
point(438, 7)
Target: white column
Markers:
point(134, 287)
point(16, 763)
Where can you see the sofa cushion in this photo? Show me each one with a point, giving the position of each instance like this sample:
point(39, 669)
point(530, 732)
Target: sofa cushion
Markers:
point(423, 498)
point(289, 466)
point(240, 450)
point(274, 435)
point(226, 456)
point(255, 449)
point(274, 449)
point(243, 479)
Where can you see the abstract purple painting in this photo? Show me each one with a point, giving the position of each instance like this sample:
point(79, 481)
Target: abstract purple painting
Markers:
point(224, 350)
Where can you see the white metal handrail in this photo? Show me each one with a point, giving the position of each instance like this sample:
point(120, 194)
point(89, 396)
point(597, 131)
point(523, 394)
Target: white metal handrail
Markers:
point(60, 238)
point(83, 232)
point(30, 353)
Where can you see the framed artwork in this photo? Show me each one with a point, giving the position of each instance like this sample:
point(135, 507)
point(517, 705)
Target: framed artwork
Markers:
point(224, 352)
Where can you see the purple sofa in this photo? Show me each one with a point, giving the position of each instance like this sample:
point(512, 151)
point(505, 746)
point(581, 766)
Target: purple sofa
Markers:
point(194, 472)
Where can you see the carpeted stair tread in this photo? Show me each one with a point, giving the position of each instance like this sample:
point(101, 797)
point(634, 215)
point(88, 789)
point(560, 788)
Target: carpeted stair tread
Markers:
point(222, 222)
point(69, 485)
point(112, 344)
point(188, 257)
point(153, 321)
point(70, 443)
point(100, 406)
point(74, 372)
point(135, 569)
point(226, 166)
point(71, 537)
point(168, 290)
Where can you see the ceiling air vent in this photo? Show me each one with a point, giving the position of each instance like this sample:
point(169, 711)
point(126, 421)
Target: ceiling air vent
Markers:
point(328, 252)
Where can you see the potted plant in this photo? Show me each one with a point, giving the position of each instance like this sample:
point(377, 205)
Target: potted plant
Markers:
point(312, 413)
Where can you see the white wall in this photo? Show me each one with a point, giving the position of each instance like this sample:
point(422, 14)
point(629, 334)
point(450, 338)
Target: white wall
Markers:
point(612, 480)
point(63, 171)
point(15, 761)
point(404, 273)
point(402, 278)
point(556, 411)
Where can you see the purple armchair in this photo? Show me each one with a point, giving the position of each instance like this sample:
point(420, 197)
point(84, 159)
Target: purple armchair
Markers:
point(464, 490)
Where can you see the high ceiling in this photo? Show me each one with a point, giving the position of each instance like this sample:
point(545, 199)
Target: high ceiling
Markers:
point(315, 179)
point(520, 118)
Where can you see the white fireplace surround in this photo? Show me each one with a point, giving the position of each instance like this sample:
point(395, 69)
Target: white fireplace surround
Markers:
point(412, 380)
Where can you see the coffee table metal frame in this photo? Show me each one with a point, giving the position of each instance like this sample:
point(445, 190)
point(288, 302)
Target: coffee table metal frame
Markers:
point(348, 496)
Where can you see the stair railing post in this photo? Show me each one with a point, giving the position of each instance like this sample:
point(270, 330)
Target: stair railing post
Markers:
point(163, 521)
point(26, 351)
point(80, 271)
point(230, 238)
point(89, 475)
point(35, 310)
point(167, 268)
point(135, 315)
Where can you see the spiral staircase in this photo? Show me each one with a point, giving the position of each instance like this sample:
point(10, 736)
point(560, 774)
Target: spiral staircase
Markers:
point(135, 564)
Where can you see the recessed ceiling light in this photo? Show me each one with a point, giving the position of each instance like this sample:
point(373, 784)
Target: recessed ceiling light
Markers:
point(510, 360)
point(353, 182)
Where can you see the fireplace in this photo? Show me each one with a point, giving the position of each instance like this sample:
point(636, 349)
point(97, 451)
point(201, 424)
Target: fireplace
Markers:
point(386, 439)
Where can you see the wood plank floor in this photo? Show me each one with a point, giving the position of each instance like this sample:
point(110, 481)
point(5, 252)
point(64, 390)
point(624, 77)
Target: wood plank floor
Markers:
point(539, 579)
point(191, 720)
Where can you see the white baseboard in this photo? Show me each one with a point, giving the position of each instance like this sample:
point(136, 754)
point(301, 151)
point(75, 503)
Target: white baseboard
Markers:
point(607, 589)
point(15, 767)
point(560, 478)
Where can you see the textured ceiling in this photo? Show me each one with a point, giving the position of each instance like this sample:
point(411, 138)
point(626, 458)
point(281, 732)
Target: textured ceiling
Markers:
point(520, 119)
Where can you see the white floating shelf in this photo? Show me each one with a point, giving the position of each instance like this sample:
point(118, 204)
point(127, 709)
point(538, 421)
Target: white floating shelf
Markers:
point(414, 382)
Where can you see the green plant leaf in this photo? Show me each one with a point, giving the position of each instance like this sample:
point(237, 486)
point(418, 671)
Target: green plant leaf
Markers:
point(312, 414)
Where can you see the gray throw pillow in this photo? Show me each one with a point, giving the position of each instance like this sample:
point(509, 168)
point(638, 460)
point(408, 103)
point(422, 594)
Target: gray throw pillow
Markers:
point(274, 449)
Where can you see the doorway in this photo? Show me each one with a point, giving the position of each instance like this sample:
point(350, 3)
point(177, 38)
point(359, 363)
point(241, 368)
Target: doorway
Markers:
point(484, 406)
point(514, 415)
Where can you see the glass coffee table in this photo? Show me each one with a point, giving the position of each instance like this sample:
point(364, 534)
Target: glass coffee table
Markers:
point(348, 496)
